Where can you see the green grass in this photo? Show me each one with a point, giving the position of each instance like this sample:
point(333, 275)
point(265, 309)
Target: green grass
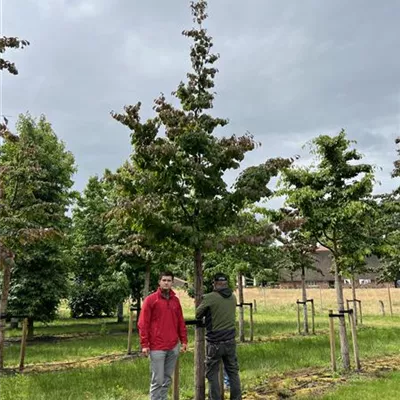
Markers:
point(130, 379)
point(387, 388)
point(69, 326)
point(69, 350)
point(107, 337)
point(123, 380)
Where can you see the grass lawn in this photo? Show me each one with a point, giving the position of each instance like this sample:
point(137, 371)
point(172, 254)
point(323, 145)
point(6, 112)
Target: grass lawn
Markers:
point(276, 349)
point(386, 387)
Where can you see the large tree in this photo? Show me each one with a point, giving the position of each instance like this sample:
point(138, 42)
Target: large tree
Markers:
point(178, 165)
point(333, 197)
point(97, 287)
point(388, 226)
point(37, 185)
point(6, 253)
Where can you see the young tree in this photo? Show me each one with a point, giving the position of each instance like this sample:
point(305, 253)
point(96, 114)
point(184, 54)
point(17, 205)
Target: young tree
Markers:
point(97, 288)
point(39, 175)
point(333, 198)
point(299, 247)
point(133, 252)
point(245, 247)
point(176, 181)
point(389, 230)
point(6, 253)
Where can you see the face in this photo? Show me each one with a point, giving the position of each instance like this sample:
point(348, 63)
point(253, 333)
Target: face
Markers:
point(165, 282)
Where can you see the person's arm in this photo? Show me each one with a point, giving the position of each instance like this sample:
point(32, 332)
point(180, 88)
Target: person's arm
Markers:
point(202, 308)
point(182, 330)
point(144, 326)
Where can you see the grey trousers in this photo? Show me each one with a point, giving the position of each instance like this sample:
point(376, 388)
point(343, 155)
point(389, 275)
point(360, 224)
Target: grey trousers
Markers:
point(162, 367)
point(227, 353)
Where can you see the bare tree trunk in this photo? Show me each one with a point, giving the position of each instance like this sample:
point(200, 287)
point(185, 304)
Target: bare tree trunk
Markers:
point(138, 311)
point(146, 288)
point(344, 343)
point(241, 309)
point(30, 328)
point(120, 313)
point(304, 299)
point(199, 339)
point(7, 266)
point(353, 290)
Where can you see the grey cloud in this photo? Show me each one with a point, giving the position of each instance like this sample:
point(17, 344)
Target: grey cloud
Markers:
point(290, 70)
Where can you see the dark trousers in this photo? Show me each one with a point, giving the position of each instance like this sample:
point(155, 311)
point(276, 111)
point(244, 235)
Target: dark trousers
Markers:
point(227, 353)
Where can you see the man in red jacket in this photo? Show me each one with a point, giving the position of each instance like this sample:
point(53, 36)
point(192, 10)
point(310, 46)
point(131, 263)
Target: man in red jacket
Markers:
point(162, 332)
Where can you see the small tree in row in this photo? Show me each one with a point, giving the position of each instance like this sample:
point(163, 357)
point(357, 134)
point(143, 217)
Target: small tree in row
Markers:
point(333, 197)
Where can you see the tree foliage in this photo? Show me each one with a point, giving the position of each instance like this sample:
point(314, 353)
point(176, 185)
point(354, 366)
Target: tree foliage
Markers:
point(37, 179)
point(97, 287)
point(333, 197)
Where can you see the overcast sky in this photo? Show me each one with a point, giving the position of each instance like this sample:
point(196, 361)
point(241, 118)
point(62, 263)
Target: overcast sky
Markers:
point(289, 70)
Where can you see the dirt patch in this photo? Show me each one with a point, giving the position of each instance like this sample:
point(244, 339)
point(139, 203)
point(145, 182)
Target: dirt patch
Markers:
point(307, 382)
point(67, 365)
point(62, 337)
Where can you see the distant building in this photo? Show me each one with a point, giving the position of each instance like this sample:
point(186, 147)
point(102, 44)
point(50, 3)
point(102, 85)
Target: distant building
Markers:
point(322, 275)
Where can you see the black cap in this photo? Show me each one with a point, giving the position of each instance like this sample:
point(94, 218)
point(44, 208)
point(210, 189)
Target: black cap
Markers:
point(220, 277)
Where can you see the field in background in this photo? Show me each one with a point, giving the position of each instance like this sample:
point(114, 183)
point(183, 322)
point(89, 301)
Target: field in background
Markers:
point(324, 299)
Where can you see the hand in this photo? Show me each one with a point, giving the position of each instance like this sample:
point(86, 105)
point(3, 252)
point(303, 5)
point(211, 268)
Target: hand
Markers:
point(184, 348)
point(146, 351)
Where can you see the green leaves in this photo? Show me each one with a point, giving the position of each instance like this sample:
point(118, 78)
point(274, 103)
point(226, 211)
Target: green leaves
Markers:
point(36, 178)
point(11, 43)
point(333, 198)
point(175, 184)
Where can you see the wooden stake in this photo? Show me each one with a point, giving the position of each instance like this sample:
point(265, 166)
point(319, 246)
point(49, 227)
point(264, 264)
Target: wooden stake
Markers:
point(361, 316)
point(221, 380)
point(355, 342)
point(251, 323)
point(320, 297)
point(255, 305)
point(175, 385)
point(23, 344)
point(313, 316)
point(348, 308)
point(265, 298)
point(130, 329)
point(332, 341)
point(390, 300)
point(298, 317)
point(382, 307)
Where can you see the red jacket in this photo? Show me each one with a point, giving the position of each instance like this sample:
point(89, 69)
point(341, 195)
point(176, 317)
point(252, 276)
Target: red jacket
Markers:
point(161, 322)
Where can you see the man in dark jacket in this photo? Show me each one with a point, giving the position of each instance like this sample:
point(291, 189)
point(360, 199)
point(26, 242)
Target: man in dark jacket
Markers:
point(219, 310)
point(162, 330)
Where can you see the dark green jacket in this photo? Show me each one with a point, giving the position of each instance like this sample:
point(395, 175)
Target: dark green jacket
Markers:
point(219, 308)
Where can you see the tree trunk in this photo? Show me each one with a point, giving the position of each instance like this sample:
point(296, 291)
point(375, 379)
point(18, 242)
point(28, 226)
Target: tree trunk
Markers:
point(353, 290)
point(344, 344)
point(120, 313)
point(7, 266)
point(390, 300)
point(199, 340)
point(139, 308)
point(30, 328)
point(241, 309)
point(146, 288)
point(304, 299)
